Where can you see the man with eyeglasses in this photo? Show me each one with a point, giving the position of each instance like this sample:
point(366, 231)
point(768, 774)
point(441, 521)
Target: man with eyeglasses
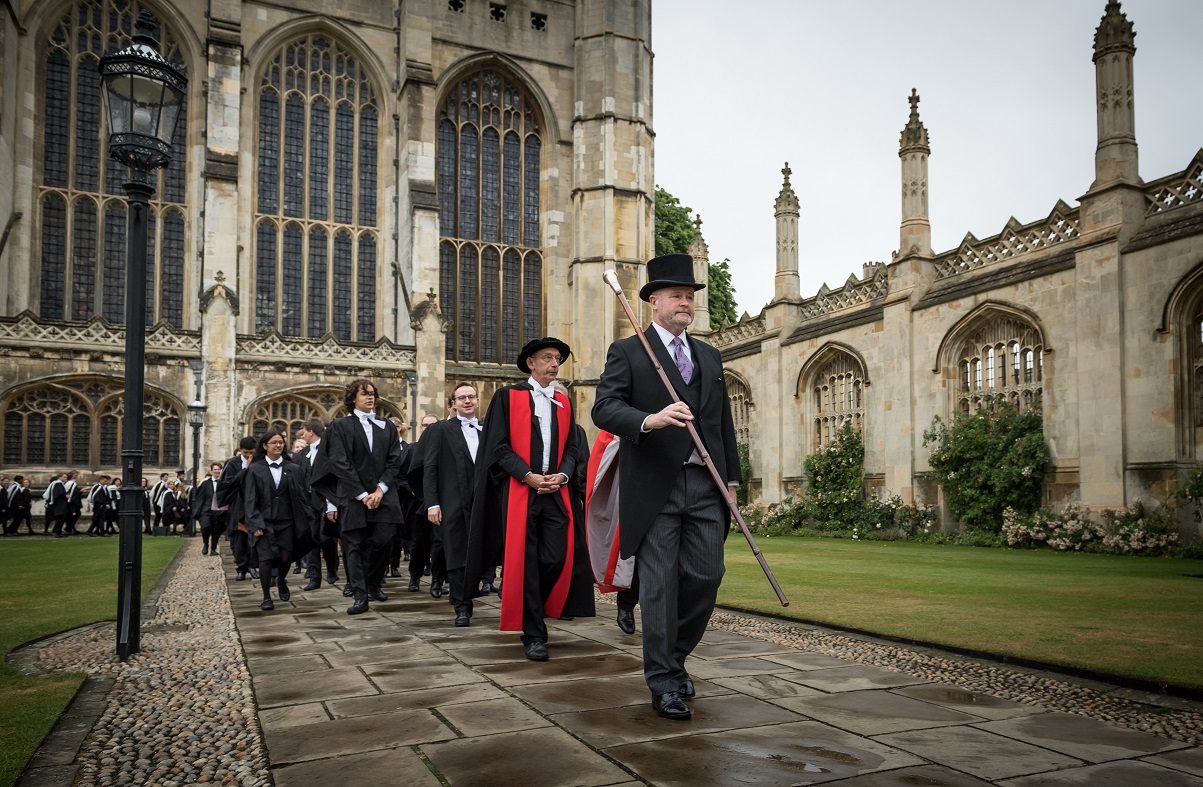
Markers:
point(524, 518)
point(359, 472)
point(450, 450)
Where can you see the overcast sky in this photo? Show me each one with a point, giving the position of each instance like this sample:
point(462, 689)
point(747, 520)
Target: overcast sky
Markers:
point(1007, 96)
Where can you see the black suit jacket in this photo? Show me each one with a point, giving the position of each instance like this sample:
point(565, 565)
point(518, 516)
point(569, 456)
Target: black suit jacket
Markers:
point(202, 498)
point(448, 481)
point(348, 467)
point(259, 487)
point(648, 464)
point(229, 491)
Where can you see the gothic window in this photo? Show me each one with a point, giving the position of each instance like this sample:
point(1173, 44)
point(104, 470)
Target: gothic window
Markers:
point(81, 204)
point(289, 411)
point(1196, 364)
point(1001, 362)
point(77, 423)
point(837, 393)
point(741, 407)
point(490, 260)
point(316, 243)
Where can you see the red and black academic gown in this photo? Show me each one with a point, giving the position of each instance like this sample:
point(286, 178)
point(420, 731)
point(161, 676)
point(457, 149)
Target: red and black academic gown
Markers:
point(499, 518)
point(611, 571)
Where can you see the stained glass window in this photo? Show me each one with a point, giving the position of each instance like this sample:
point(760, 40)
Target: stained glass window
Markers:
point(998, 344)
point(488, 175)
point(318, 164)
point(82, 233)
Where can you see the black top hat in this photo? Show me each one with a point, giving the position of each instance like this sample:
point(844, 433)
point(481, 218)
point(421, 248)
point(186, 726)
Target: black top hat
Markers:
point(534, 345)
point(670, 270)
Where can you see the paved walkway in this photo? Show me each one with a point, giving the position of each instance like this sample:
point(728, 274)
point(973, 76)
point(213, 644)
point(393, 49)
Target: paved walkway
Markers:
point(399, 696)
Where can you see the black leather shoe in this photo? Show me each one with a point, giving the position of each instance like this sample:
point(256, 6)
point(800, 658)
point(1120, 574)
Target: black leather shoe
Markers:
point(378, 595)
point(436, 590)
point(267, 605)
point(463, 619)
point(332, 578)
point(204, 550)
point(536, 651)
point(348, 591)
point(670, 706)
point(255, 573)
point(239, 576)
point(414, 585)
point(359, 607)
point(687, 692)
point(296, 569)
point(314, 584)
point(626, 620)
point(282, 590)
point(488, 587)
point(394, 572)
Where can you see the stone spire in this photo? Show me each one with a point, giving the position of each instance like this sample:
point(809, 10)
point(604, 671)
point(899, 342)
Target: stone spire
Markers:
point(914, 235)
point(1115, 158)
point(787, 285)
point(701, 272)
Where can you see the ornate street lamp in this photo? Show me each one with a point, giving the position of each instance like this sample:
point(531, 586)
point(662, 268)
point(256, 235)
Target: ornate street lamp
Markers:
point(196, 419)
point(143, 97)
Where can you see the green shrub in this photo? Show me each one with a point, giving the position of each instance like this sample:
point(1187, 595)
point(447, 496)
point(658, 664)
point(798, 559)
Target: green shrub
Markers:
point(1134, 530)
point(835, 482)
point(988, 462)
point(745, 474)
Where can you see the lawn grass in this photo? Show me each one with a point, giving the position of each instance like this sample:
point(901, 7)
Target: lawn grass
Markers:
point(46, 586)
point(1137, 617)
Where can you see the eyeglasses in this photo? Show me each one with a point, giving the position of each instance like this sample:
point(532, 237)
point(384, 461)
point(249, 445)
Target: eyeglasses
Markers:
point(276, 441)
point(466, 398)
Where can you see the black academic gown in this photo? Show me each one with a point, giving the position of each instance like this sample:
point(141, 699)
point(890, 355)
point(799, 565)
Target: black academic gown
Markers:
point(265, 509)
point(497, 463)
point(448, 479)
point(346, 467)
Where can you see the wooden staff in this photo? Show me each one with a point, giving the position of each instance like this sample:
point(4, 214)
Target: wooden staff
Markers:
point(612, 280)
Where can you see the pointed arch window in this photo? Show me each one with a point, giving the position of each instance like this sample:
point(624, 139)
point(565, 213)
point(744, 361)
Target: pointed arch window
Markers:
point(741, 407)
point(1001, 362)
point(837, 393)
point(316, 239)
point(490, 251)
point(81, 204)
point(289, 411)
point(76, 422)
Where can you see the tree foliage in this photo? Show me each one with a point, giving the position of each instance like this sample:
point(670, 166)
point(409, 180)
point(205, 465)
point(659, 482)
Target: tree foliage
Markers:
point(674, 233)
point(988, 462)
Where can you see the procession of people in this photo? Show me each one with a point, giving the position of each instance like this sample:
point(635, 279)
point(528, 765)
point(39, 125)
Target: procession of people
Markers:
point(497, 502)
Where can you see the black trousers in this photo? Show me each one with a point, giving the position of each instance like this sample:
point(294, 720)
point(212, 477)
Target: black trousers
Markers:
point(213, 524)
point(327, 550)
point(546, 548)
point(19, 516)
point(365, 552)
point(629, 597)
point(421, 534)
point(73, 516)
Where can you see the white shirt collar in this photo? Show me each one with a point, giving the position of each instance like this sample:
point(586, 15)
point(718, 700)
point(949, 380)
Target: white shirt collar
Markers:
point(667, 337)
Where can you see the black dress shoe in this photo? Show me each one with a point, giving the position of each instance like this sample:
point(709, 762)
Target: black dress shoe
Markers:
point(414, 585)
point(670, 706)
point(296, 569)
point(394, 572)
point(314, 584)
point(359, 607)
point(378, 595)
point(626, 620)
point(488, 587)
point(463, 619)
point(239, 576)
point(255, 573)
point(536, 651)
point(282, 589)
point(687, 692)
point(267, 604)
point(348, 591)
point(436, 590)
point(204, 550)
point(332, 578)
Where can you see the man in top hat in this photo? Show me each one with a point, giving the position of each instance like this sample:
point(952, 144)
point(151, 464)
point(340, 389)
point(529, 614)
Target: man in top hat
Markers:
point(526, 460)
point(674, 518)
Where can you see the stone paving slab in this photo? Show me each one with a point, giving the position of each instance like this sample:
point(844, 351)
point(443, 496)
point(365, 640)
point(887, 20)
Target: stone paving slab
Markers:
point(1189, 760)
point(1086, 739)
point(336, 737)
point(975, 703)
point(797, 753)
point(978, 752)
point(273, 690)
point(928, 775)
point(438, 698)
point(1126, 773)
point(533, 758)
point(875, 712)
point(390, 766)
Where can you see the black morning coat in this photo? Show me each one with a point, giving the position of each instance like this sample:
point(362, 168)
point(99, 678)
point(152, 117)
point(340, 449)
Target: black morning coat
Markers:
point(347, 467)
point(446, 476)
point(630, 389)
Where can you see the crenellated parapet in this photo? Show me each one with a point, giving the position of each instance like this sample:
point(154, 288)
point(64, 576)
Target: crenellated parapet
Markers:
point(734, 333)
point(855, 292)
point(1177, 190)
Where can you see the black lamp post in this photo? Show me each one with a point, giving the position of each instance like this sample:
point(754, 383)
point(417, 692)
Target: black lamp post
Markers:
point(196, 419)
point(143, 97)
point(411, 379)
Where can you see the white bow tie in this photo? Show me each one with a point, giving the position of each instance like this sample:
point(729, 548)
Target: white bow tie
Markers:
point(550, 393)
point(472, 422)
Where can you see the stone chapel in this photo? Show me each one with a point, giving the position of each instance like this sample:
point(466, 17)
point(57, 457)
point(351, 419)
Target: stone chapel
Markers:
point(1092, 315)
point(401, 190)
